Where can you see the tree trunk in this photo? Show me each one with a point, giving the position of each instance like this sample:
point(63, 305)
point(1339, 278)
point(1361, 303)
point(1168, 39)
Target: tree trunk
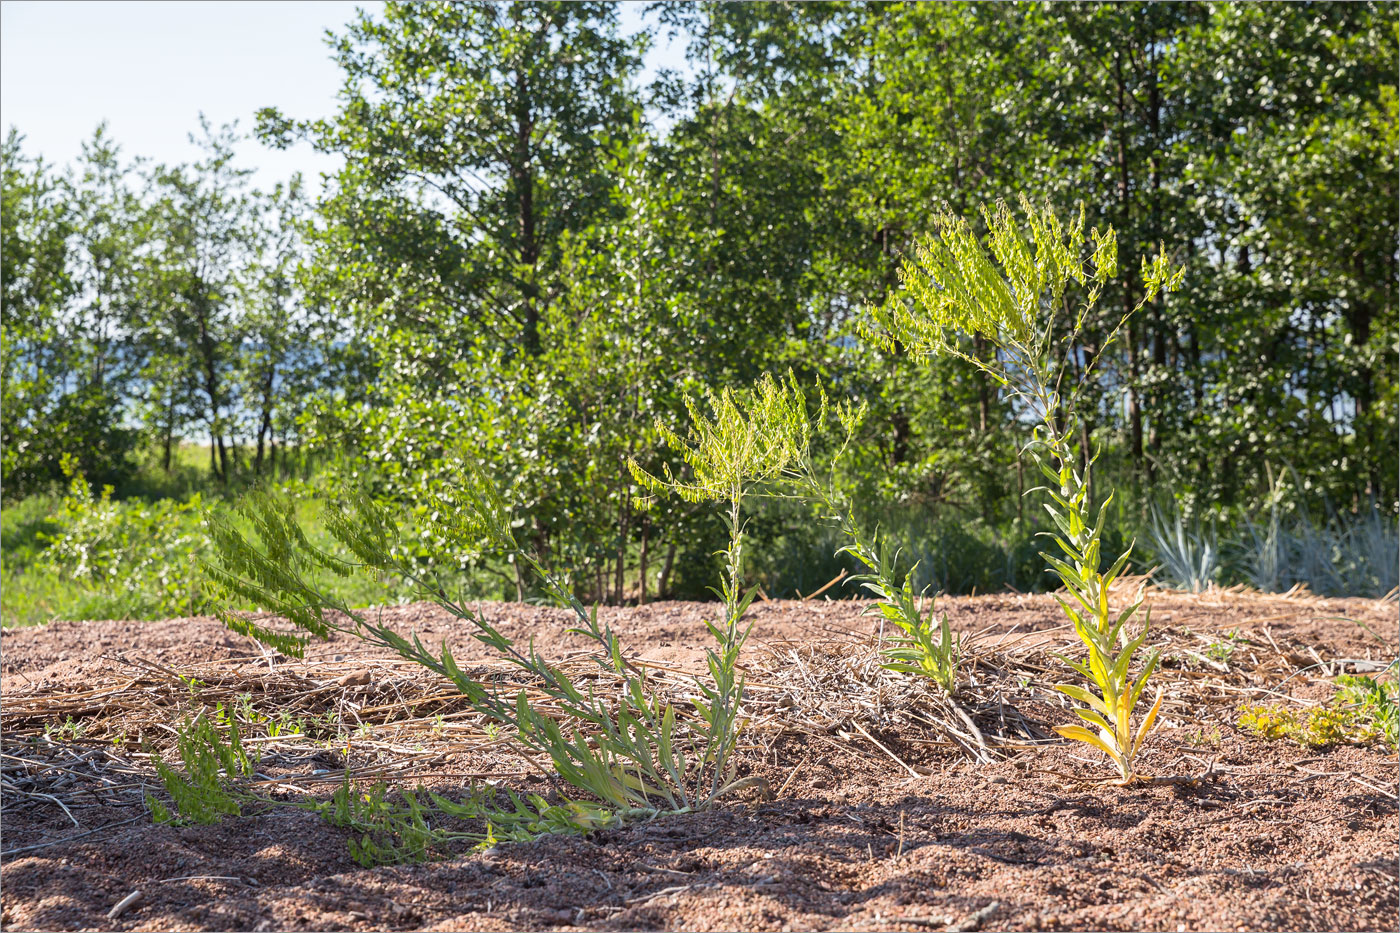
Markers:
point(523, 177)
point(265, 421)
point(223, 460)
point(211, 389)
point(1159, 345)
point(619, 572)
point(169, 432)
point(663, 586)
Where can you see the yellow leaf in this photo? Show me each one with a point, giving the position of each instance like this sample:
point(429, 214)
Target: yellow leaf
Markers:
point(1146, 726)
point(1081, 734)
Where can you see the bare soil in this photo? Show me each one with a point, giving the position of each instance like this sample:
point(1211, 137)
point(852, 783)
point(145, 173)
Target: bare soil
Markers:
point(878, 818)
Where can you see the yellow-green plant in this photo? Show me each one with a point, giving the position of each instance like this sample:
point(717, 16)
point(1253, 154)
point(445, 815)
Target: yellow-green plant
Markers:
point(1364, 710)
point(737, 443)
point(920, 646)
point(1009, 288)
point(629, 753)
point(761, 440)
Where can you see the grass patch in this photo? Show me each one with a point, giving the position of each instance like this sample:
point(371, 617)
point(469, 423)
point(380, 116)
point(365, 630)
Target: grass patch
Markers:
point(88, 555)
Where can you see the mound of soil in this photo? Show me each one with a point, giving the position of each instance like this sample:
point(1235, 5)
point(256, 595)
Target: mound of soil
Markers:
point(877, 819)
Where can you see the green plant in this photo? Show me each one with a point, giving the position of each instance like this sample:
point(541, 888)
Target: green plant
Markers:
point(1349, 554)
point(745, 442)
point(920, 646)
point(387, 829)
point(631, 753)
point(916, 650)
point(1203, 739)
point(1009, 291)
point(136, 555)
point(1375, 699)
point(205, 792)
point(1223, 651)
point(67, 732)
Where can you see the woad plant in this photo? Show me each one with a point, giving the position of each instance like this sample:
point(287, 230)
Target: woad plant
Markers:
point(1011, 288)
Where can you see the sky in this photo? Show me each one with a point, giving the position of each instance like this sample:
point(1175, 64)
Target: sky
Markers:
point(150, 68)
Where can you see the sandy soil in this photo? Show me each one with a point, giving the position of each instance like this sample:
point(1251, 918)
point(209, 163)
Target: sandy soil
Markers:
point(877, 823)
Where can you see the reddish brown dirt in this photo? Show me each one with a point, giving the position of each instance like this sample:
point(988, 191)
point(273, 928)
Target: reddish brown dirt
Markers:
point(1286, 838)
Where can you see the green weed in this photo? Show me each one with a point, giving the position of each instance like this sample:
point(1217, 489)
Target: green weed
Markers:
point(69, 731)
point(205, 789)
point(1009, 289)
point(1363, 711)
point(631, 755)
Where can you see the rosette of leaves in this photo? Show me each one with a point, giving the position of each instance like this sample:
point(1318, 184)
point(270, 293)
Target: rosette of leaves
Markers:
point(1009, 288)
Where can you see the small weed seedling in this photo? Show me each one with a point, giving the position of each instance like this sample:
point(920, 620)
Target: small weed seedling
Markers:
point(1203, 739)
point(1008, 292)
point(1223, 651)
point(69, 731)
point(921, 647)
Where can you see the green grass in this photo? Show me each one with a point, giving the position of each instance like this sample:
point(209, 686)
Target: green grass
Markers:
point(132, 559)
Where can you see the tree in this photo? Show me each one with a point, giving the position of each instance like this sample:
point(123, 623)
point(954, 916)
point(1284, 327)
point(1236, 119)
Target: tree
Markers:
point(205, 239)
point(476, 138)
point(65, 354)
point(282, 351)
point(477, 130)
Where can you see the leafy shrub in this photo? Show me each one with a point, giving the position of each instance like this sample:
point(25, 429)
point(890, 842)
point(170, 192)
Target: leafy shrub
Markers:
point(953, 289)
point(92, 555)
point(138, 558)
point(42, 428)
